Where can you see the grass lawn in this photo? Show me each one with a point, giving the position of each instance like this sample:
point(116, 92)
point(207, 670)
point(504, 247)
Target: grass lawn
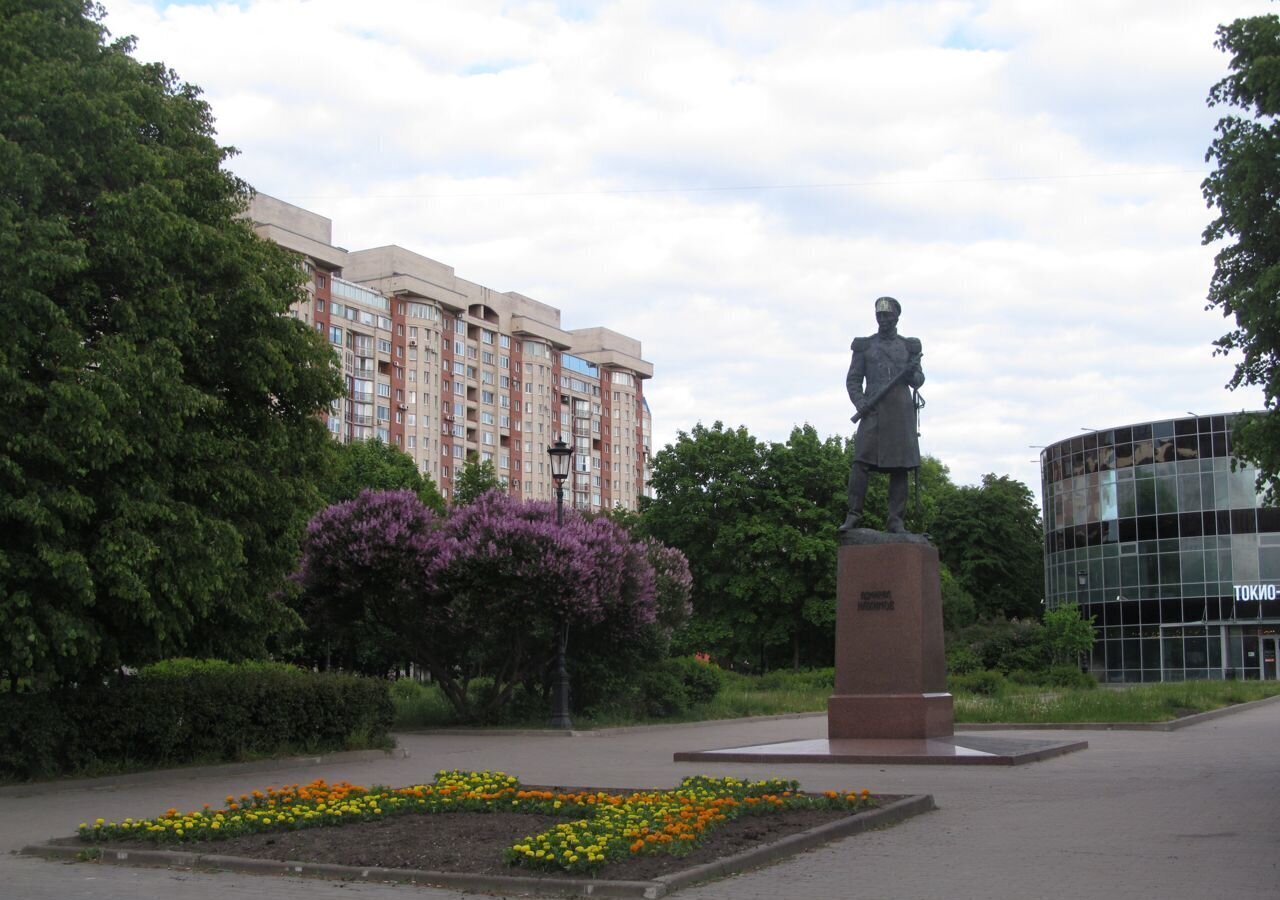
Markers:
point(1136, 703)
point(422, 706)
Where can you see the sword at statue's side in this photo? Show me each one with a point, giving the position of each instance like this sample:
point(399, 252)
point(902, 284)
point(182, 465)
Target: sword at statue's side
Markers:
point(911, 366)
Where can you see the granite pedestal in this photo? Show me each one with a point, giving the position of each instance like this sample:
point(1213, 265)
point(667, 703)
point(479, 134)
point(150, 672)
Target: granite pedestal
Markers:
point(891, 671)
point(890, 702)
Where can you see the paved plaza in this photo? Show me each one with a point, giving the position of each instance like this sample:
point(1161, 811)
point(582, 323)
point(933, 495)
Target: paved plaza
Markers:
point(1184, 815)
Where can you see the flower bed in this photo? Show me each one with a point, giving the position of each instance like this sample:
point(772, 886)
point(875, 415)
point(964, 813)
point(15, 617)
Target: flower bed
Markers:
point(601, 826)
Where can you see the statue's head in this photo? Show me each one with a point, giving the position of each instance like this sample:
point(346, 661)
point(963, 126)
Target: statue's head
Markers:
point(887, 312)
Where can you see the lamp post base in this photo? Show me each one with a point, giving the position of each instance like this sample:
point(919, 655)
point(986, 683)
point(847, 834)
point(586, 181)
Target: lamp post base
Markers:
point(560, 688)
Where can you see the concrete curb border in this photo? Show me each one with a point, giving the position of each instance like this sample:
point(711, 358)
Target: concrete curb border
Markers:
point(893, 813)
point(609, 731)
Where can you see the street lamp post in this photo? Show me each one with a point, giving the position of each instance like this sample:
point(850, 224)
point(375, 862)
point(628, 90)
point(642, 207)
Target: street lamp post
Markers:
point(561, 460)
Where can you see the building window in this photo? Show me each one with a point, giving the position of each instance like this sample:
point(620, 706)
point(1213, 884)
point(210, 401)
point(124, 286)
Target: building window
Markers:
point(335, 335)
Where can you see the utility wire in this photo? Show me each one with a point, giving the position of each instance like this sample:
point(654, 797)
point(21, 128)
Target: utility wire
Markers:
point(749, 187)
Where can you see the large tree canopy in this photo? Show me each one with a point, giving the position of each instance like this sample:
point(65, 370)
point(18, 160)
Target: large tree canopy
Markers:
point(1245, 189)
point(990, 537)
point(474, 479)
point(160, 438)
point(758, 524)
point(376, 466)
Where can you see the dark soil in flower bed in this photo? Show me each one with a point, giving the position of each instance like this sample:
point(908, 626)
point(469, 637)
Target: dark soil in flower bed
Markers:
point(474, 843)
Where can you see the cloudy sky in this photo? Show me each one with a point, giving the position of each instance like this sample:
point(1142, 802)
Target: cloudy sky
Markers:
point(733, 183)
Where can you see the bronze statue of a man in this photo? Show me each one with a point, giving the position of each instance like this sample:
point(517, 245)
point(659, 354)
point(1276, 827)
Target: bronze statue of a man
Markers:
point(883, 376)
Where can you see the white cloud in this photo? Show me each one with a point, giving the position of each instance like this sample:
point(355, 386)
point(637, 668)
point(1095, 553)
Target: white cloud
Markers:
point(1023, 176)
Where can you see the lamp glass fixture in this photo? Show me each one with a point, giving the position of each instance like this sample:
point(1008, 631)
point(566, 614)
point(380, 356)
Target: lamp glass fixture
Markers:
point(561, 460)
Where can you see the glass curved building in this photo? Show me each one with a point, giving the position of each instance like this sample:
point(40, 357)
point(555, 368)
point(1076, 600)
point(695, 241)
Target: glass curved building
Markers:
point(1149, 530)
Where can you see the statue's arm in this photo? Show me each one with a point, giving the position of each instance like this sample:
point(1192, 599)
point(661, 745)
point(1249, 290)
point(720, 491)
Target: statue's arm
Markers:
point(857, 373)
point(914, 353)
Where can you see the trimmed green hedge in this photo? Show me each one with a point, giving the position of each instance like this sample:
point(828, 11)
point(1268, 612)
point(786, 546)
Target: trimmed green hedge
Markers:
point(186, 711)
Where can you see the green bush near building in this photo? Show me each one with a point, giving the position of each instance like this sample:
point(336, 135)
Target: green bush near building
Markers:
point(189, 711)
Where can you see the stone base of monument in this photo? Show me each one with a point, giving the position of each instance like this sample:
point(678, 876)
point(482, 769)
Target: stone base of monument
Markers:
point(957, 750)
point(890, 702)
point(890, 716)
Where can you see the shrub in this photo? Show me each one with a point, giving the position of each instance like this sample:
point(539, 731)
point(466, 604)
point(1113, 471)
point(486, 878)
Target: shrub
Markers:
point(988, 682)
point(1027, 677)
point(189, 711)
point(701, 680)
point(407, 690)
point(662, 693)
point(1002, 644)
point(961, 660)
point(785, 679)
point(1069, 677)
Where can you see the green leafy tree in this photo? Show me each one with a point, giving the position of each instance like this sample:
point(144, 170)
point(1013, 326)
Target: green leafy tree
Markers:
point(708, 485)
point(377, 466)
point(788, 574)
point(758, 524)
point(991, 539)
point(1243, 188)
point(475, 479)
point(161, 429)
point(1066, 634)
point(958, 606)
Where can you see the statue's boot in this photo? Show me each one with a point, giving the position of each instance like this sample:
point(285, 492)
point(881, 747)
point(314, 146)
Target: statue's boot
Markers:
point(897, 501)
point(857, 494)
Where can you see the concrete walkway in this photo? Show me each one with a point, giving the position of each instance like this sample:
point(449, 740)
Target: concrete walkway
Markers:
point(1187, 815)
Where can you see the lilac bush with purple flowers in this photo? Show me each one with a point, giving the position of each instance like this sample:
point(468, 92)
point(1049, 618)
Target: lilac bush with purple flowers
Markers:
point(481, 590)
point(361, 576)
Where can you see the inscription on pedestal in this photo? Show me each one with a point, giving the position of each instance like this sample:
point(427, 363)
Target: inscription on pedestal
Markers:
point(874, 600)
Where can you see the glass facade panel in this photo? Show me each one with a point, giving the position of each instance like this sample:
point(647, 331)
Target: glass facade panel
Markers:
point(1174, 547)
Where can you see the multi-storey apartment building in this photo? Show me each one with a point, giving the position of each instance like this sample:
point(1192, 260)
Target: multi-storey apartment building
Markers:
point(449, 370)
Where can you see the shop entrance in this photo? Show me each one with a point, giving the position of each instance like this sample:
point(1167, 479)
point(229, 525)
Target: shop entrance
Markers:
point(1270, 653)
